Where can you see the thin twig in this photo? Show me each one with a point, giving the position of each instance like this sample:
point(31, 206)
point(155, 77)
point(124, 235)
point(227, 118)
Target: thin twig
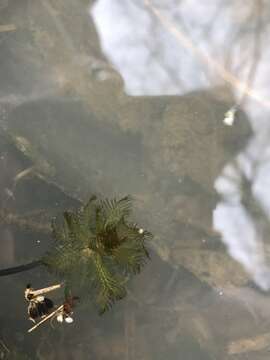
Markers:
point(129, 333)
point(4, 346)
point(204, 57)
point(7, 28)
point(59, 309)
point(7, 218)
point(45, 290)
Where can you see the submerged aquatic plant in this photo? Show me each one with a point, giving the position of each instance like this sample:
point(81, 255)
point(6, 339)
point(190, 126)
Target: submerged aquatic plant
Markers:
point(96, 250)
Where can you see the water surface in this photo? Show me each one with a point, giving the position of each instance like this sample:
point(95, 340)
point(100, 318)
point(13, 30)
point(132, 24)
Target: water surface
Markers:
point(130, 97)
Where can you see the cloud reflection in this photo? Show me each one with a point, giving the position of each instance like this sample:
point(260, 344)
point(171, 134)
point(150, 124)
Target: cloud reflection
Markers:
point(151, 60)
point(242, 220)
point(243, 241)
point(174, 47)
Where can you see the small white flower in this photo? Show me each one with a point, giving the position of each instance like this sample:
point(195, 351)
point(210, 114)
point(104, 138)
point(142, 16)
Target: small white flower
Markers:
point(60, 318)
point(69, 320)
point(141, 231)
point(229, 117)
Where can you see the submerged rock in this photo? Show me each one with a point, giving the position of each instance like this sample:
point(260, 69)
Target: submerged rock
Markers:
point(86, 156)
point(169, 166)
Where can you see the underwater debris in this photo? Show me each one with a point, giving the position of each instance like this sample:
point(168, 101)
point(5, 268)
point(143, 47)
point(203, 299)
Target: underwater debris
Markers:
point(62, 313)
point(54, 313)
point(245, 345)
point(39, 305)
point(67, 310)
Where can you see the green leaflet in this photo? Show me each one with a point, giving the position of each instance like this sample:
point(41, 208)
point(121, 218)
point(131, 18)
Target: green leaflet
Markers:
point(114, 211)
point(109, 287)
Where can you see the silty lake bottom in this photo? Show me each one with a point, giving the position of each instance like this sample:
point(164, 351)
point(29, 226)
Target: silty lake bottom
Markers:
point(168, 103)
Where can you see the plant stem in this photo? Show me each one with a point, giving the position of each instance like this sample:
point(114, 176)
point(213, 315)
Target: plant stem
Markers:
point(20, 268)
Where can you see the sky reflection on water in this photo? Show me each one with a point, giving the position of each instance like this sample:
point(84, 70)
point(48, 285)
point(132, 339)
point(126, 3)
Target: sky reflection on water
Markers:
point(149, 50)
point(64, 94)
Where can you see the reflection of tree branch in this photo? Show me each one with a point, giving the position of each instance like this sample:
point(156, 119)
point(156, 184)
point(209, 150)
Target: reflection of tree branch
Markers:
point(250, 203)
point(155, 54)
point(242, 31)
point(204, 57)
point(220, 8)
point(257, 12)
point(23, 223)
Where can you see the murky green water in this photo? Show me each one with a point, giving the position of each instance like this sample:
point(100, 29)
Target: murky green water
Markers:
point(168, 102)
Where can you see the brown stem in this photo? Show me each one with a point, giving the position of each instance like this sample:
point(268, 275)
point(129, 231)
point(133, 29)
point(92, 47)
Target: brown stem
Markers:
point(20, 268)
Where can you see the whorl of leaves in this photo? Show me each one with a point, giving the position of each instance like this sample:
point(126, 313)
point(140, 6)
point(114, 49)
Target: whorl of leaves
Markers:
point(97, 249)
